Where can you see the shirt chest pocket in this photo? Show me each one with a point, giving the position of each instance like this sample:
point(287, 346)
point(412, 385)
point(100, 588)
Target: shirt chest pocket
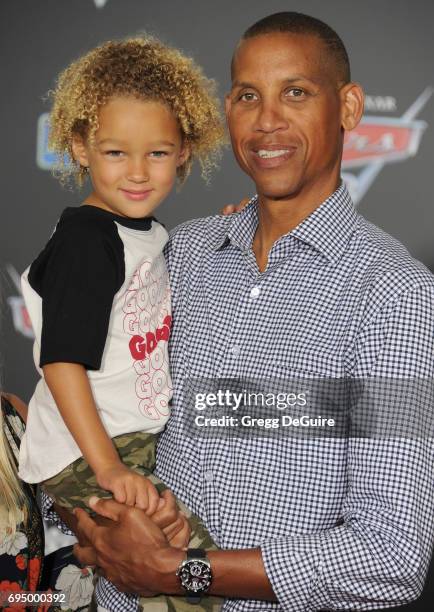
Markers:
point(309, 364)
point(314, 391)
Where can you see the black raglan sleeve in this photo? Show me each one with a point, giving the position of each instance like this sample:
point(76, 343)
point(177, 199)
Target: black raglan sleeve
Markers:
point(77, 275)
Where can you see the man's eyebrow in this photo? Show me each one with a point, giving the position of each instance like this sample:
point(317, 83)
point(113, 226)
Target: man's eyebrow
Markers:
point(289, 81)
point(297, 78)
point(241, 84)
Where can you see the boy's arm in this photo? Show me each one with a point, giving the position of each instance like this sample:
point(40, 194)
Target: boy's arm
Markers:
point(70, 387)
point(71, 390)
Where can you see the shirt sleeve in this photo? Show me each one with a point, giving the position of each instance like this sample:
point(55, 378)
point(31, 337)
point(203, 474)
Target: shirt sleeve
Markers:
point(379, 553)
point(77, 276)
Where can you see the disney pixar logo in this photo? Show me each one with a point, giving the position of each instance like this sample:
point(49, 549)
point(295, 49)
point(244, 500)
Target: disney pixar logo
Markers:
point(378, 141)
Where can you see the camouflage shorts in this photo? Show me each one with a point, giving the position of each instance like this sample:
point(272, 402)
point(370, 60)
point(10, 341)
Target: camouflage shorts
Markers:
point(74, 485)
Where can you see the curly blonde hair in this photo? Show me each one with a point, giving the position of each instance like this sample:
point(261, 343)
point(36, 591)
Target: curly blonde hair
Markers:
point(147, 69)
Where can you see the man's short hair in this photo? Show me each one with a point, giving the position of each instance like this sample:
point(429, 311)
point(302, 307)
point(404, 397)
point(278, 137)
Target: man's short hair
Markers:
point(297, 23)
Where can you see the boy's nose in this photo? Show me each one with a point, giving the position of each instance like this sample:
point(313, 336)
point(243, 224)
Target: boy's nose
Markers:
point(137, 173)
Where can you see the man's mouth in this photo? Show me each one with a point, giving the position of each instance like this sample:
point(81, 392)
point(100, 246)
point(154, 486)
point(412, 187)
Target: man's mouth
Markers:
point(272, 156)
point(266, 154)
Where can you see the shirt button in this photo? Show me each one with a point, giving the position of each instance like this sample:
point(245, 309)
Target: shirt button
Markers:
point(254, 293)
point(208, 476)
point(235, 350)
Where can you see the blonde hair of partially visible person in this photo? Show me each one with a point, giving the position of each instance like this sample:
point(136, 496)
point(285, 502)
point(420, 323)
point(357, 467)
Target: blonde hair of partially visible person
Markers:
point(12, 498)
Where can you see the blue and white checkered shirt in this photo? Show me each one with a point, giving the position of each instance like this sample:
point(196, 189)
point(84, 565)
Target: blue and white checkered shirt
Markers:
point(341, 523)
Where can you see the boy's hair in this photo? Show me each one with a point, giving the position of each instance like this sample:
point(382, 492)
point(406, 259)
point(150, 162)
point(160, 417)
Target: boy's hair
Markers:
point(290, 22)
point(144, 68)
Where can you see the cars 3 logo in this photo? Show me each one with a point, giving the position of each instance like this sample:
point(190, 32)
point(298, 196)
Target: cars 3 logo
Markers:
point(378, 141)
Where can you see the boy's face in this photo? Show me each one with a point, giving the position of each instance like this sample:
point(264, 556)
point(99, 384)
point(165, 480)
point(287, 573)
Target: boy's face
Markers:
point(133, 160)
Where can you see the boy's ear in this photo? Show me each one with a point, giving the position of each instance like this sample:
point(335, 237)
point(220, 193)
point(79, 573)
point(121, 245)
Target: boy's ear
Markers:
point(184, 154)
point(79, 151)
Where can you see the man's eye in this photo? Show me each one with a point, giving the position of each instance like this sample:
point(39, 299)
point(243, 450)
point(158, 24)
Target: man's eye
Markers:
point(247, 97)
point(295, 92)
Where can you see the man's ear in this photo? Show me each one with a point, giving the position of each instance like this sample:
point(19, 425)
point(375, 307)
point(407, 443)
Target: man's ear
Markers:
point(352, 101)
point(79, 151)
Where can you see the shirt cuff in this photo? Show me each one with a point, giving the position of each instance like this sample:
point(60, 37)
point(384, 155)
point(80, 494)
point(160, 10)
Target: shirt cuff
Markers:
point(51, 516)
point(293, 566)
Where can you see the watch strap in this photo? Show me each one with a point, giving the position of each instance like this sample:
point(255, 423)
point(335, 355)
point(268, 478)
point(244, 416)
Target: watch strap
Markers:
point(195, 553)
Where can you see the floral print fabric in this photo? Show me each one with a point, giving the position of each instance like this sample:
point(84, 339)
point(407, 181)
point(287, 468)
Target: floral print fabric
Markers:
point(22, 563)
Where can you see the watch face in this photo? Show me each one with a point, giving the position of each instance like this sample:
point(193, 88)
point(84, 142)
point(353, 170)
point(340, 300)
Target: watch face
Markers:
point(195, 576)
point(195, 569)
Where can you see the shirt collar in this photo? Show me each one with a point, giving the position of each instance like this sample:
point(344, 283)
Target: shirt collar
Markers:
point(327, 229)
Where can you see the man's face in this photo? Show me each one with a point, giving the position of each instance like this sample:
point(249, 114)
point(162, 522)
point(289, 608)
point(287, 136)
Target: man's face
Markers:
point(284, 114)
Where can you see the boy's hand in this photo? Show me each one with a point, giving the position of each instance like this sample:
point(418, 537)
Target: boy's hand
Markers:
point(128, 487)
point(229, 209)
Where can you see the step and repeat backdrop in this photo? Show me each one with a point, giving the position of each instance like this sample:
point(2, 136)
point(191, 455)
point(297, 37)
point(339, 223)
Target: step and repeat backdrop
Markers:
point(388, 159)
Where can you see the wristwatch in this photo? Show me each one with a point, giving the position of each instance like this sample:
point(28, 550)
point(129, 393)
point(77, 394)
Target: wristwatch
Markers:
point(195, 574)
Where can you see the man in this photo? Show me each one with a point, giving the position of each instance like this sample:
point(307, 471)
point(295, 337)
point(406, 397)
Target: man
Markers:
point(296, 284)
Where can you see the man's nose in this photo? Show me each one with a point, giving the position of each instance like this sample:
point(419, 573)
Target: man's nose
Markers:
point(271, 117)
point(138, 171)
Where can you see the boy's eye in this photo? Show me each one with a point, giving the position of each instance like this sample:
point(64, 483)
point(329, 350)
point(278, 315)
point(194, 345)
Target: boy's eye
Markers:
point(159, 153)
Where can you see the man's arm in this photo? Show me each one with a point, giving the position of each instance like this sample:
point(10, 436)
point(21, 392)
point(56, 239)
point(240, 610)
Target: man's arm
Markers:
point(149, 567)
point(378, 555)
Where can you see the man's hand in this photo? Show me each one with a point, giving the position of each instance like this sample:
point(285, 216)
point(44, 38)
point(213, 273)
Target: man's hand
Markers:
point(171, 521)
point(229, 209)
point(133, 553)
point(128, 487)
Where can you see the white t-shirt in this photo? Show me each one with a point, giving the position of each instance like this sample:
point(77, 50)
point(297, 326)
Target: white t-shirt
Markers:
point(98, 295)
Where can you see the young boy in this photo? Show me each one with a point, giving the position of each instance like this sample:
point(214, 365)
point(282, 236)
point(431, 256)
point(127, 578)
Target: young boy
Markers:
point(132, 115)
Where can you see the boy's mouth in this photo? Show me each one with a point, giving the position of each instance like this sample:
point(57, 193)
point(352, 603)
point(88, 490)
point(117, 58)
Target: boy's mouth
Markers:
point(136, 195)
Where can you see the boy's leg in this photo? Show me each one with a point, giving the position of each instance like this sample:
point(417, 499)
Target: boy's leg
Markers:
point(141, 458)
point(74, 486)
point(77, 483)
point(200, 538)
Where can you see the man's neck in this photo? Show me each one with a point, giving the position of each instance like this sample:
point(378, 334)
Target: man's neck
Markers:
point(278, 217)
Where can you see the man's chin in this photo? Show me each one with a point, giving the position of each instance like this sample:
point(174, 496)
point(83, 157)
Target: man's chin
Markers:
point(279, 194)
point(279, 187)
